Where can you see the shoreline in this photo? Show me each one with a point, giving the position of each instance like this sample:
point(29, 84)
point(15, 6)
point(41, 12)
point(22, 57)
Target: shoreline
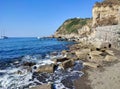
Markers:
point(86, 80)
point(79, 63)
point(105, 77)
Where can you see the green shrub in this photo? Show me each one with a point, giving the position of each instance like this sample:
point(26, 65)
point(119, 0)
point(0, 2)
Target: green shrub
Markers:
point(72, 25)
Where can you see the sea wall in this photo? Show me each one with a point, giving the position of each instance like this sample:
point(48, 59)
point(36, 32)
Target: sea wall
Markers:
point(109, 34)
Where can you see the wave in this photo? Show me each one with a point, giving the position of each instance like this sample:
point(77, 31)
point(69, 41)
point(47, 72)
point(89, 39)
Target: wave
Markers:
point(17, 76)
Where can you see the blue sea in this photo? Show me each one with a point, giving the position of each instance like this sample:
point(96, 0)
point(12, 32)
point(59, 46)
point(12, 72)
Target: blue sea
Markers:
point(15, 51)
point(14, 48)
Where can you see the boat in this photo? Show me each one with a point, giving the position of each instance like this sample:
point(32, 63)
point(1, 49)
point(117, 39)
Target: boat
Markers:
point(3, 37)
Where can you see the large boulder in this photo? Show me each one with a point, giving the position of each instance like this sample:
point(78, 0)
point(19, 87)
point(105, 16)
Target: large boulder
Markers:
point(46, 68)
point(95, 57)
point(67, 64)
point(82, 54)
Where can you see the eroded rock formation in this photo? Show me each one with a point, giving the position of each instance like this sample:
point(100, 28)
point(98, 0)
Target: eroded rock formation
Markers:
point(106, 14)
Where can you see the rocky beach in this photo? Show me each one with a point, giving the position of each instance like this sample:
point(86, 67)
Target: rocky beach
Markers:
point(83, 53)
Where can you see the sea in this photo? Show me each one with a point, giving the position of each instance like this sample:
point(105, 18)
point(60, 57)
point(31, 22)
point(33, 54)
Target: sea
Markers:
point(16, 51)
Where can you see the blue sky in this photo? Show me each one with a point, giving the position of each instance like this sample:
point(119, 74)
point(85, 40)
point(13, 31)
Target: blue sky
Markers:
point(31, 18)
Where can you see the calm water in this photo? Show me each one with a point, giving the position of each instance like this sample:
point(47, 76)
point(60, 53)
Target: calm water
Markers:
point(13, 48)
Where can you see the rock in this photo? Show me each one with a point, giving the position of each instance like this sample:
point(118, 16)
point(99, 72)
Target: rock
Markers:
point(95, 53)
point(106, 45)
point(60, 59)
point(82, 54)
point(95, 58)
point(84, 31)
point(101, 45)
point(64, 52)
point(46, 68)
point(110, 52)
point(19, 72)
point(67, 64)
point(28, 64)
point(89, 64)
point(54, 54)
point(44, 86)
point(74, 59)
point(110, 58)
point(106, 15)
point(97, 44)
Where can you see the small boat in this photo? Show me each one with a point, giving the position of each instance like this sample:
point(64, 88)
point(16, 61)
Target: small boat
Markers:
point(3, 37)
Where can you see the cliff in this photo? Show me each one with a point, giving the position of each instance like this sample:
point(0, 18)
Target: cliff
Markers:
point(106, 13)
point(72, 25)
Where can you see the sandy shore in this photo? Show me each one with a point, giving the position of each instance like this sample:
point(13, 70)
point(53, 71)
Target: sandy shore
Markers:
point(107, 77)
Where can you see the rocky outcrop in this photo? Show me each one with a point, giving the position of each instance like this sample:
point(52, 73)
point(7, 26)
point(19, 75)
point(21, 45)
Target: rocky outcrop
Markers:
point(106, 14)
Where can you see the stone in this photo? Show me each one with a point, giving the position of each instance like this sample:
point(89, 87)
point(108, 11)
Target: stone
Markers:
point(106, 15)
point(82, 54)
point(95, 53)
point(84, 31)
point(110, 58)
point(28, 64)
point(106, 45)
point(89, 64)
point(64, 52)
point(61, 59)
point(110, 52)
point(97, 44)
point(95, 58)
point(46, 68)
point(19, 72)
point(67, 64)
point(54, 54)
point(44, 86)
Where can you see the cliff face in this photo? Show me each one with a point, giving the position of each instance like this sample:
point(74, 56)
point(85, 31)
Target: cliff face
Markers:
point(106, 14)
point(72, 27)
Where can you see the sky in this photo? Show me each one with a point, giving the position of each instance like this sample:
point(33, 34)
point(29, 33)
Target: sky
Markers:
point(32, 18)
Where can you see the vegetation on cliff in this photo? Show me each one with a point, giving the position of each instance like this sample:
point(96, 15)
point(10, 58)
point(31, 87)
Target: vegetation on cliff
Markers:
point(109, 3)
point(72, 25)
